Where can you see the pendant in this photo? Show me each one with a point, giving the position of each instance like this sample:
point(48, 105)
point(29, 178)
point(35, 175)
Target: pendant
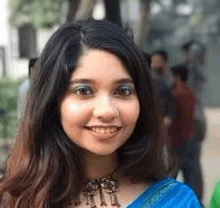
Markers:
point(102, 198)
point(109, 183)
point(90, 191)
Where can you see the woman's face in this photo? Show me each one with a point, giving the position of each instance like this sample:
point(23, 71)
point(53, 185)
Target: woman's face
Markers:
point(100, 109)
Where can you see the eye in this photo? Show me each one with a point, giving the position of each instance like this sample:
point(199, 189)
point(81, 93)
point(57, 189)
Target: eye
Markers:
point(124, 91)
point(83, 90)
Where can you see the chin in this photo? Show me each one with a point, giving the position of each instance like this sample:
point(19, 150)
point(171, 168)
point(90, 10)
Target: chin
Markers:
point(103, 151)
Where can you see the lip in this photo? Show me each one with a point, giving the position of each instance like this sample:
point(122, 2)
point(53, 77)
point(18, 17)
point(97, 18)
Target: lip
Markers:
point(104, 136)
point(109, 126)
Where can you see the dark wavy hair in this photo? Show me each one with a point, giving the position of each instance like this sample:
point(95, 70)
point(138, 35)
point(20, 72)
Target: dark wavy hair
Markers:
point(44, 168)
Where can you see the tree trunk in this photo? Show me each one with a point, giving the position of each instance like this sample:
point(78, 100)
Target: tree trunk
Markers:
point(112, 11)
point(73, 6)
point(85, 9)
point(144, 26)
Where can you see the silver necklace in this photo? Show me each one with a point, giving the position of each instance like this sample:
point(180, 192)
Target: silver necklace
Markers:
point(94, 186)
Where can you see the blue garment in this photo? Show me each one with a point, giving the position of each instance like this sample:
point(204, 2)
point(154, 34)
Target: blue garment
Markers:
point(165, 194)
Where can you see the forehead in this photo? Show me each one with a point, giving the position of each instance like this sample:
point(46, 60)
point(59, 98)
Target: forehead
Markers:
point(100, 65)
point(157, 57)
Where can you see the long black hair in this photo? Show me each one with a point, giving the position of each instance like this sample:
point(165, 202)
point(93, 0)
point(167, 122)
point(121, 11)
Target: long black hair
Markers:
point(45, 167)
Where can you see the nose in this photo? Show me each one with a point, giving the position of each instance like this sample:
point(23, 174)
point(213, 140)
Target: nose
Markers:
point(104, 109)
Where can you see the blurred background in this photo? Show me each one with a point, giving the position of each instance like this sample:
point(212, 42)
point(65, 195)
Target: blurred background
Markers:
point(26, 26)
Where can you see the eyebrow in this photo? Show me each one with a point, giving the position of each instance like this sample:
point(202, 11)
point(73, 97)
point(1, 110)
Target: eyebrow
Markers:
point(91, 81)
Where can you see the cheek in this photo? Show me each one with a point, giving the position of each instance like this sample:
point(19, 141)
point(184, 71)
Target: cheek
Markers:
point(131, 112)
point(68, 110)
point(72, 114)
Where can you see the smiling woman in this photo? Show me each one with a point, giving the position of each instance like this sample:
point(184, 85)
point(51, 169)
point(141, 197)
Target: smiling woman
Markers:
point(90, 134)
point(101, 111)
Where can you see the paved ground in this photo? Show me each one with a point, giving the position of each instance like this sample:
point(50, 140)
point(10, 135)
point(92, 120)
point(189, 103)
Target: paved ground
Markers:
point(210, 154)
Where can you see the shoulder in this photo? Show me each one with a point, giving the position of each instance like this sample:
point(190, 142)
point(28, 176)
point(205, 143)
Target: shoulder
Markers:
point(24, 86)
point(187, 88)
point(24, 83)
point(183, 90)
point(172, 193)
point(164, 84)
point(181, 189)
point(181, 194)
point(173, 184)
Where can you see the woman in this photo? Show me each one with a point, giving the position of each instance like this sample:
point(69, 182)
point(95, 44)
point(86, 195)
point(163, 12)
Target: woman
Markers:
point(90, 135)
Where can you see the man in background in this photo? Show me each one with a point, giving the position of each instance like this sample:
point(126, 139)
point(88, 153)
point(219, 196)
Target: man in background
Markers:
point(161, 84)
point(24, 87)
point(180, 130)
point(181, 134)
point(193, 54)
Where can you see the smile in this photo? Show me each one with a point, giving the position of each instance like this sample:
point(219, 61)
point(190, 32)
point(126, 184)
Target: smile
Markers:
point(106, 132)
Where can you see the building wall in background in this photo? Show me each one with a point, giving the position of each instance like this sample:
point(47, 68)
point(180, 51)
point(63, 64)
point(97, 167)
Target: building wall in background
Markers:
point(4, 37)
point(15, 66)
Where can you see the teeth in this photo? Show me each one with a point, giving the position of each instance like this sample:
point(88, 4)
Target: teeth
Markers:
point(108, 130)
point(104, 130)
point(112, 130)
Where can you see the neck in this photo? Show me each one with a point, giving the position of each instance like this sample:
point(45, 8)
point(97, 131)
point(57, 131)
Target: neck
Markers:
point(100, 166)
point(173, 81)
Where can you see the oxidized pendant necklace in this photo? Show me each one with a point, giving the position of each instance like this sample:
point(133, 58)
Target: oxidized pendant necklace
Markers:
point(92, 186)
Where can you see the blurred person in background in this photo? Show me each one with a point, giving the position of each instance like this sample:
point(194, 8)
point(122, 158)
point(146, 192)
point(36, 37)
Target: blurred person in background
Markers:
point(193, 54)
point(160, 62)
point(161, 96)
point(159, 74)
point(24, 87)
point(181, 127)
point(180, 132)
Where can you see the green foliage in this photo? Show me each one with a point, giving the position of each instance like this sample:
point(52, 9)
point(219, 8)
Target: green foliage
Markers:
point(8, 102)
point(195, 19)
point(39, 13)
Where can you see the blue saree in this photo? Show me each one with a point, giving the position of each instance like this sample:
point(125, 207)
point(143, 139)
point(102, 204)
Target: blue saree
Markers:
point(166, 193)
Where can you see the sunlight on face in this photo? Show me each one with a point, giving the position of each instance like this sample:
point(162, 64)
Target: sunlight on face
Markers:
point(101, 107)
